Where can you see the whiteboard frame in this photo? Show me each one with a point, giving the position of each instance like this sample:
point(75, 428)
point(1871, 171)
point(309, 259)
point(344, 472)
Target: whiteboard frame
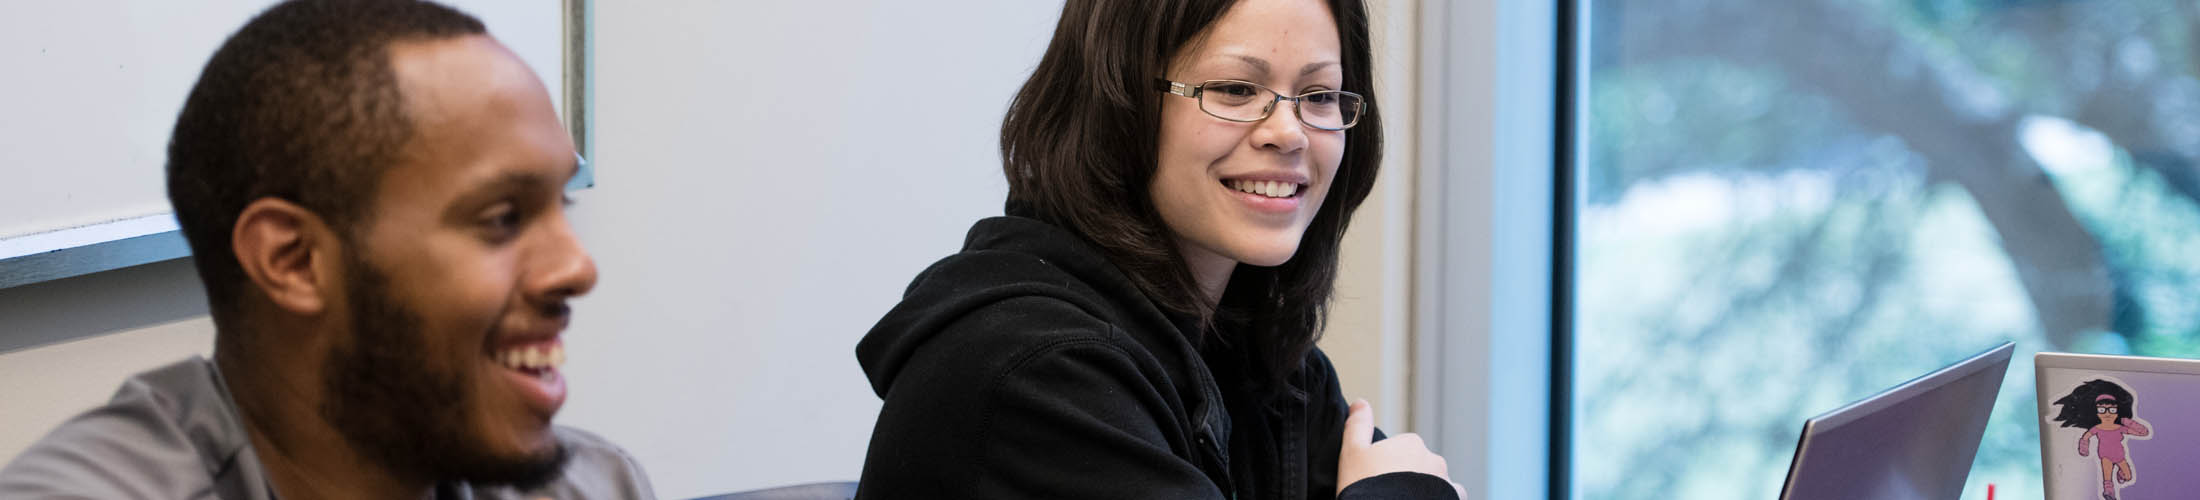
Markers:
point(77, 251)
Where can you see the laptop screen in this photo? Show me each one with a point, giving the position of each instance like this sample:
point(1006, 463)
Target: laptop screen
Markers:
point(1915, 441)
point(2119, 433)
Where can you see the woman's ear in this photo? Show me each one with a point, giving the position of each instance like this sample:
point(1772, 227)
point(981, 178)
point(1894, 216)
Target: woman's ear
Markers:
point(286, 252)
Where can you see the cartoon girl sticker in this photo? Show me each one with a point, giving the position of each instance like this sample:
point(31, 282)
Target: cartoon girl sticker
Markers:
point(2103, 408)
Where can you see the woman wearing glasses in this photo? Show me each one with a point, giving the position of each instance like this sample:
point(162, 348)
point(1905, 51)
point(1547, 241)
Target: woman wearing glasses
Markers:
point(1142, 323)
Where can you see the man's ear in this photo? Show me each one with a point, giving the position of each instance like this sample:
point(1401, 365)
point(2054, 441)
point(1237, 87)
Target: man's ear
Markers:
point(288, 253)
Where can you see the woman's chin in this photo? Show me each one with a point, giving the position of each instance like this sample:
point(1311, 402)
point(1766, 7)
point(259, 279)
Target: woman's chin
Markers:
point(1268, 257)
point(1250, 246)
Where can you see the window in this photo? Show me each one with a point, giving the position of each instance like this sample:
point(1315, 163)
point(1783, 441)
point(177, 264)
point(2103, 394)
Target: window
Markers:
point(1781, 207)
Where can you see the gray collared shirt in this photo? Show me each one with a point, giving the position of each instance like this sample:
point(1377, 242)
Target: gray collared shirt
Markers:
point(173, 433)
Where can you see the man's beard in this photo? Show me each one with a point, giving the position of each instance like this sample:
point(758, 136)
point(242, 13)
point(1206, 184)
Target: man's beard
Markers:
point(387, 402)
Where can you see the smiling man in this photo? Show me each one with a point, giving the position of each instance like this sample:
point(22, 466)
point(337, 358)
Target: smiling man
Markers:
point(373, 192)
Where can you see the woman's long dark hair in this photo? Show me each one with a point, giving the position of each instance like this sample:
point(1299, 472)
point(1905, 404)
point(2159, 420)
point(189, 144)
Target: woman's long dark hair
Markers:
point(1080, 148)
point(2078, 406)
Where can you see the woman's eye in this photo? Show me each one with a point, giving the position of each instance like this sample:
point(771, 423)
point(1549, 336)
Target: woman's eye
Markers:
point(1322, 98)
point(1234, 90)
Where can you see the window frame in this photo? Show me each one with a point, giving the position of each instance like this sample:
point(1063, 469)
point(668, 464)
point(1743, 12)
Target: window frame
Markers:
point(1490, 327)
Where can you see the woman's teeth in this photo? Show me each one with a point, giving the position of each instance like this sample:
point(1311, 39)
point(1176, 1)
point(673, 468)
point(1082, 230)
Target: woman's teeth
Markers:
point(536, 357)
point(1271, 189)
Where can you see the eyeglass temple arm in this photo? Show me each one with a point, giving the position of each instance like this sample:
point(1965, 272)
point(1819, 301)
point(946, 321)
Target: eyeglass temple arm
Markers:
point(1165, 85)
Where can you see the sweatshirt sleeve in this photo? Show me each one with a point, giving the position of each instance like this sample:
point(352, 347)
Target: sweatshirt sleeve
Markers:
point(1049, 408)
point(1399, 485)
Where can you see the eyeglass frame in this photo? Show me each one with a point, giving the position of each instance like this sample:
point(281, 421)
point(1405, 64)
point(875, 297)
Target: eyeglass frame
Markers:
point(1193, 92)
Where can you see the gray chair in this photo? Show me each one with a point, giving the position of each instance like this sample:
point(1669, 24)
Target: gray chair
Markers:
point(844, 490)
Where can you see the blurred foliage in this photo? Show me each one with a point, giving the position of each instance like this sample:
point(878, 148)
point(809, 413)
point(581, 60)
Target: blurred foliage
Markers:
point(1757, 245)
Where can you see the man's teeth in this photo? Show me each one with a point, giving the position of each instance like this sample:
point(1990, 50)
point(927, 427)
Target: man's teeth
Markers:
point(533, 357)
point(1271, 189)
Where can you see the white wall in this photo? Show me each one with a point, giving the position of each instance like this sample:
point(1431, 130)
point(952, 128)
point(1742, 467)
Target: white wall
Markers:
point(94, 88)
point(769, 176)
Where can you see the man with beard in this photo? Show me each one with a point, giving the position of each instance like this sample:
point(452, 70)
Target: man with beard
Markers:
point(373, 192)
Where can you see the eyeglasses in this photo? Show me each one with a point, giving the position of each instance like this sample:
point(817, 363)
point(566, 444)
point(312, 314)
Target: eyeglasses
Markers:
point(2105, 409)
point(1243, 101)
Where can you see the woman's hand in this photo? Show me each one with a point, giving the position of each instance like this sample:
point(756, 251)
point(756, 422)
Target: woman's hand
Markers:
point(1361, 457)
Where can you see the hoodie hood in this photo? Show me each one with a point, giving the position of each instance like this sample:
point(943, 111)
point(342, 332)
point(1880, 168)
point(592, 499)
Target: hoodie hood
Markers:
point(1011, 257)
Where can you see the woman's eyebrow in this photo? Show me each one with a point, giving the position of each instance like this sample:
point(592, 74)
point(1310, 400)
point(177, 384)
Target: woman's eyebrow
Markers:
point(1313, 67)
point(1259, 65)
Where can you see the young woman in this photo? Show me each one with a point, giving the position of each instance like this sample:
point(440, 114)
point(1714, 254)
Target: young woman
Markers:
point(1142, 323)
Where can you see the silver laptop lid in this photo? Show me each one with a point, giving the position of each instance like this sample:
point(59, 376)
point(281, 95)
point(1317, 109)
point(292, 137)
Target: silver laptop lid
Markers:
point(1914, 441)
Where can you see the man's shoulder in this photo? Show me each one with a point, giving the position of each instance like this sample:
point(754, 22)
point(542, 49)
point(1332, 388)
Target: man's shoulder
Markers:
point(596, 468)
point(592, 455)
point(166, 433)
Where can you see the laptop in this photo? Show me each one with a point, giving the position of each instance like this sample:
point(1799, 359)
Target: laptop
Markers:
point(1914, 441)
point(2113, 427)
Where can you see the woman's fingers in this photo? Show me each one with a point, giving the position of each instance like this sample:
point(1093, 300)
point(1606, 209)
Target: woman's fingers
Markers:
point(1361, 458)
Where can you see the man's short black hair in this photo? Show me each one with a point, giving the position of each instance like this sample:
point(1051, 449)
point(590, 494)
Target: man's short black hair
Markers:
point(300, 104)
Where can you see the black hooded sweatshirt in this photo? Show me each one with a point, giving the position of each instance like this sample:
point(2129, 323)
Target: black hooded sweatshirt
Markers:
point(1028, 366)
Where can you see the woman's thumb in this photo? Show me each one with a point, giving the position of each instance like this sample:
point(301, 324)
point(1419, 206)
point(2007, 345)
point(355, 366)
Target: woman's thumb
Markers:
point(1359, 426)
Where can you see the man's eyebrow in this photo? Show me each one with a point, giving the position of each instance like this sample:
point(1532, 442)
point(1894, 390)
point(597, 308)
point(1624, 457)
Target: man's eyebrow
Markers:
point(508, 182)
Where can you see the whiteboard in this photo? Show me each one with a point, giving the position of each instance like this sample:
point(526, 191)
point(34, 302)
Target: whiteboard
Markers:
point(91, 93)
